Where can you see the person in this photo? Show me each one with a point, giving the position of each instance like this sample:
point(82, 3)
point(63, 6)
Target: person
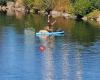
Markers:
point(49, 27)
point(46, 30)
point(51, 21)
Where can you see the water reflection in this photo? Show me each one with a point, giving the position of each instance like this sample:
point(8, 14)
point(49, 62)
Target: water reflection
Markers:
point(79, 63)
point(25, 56)
point(48, 66)
point(84, 33)
point(47, 42)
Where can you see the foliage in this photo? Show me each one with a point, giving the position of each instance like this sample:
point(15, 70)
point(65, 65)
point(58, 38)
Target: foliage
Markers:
point(82, 7)
point(69, 7)
point(64, 5)
point(41, 4)
point(28, 2)
point(31, 3)
point(48, 4)
point(37, 3)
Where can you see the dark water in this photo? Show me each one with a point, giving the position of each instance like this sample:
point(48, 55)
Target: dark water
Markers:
point(24, 56)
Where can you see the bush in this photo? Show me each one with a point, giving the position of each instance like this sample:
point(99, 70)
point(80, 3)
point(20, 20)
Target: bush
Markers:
point(82, 7)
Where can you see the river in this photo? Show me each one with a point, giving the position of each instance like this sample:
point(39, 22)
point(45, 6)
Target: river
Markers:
point(25, 56)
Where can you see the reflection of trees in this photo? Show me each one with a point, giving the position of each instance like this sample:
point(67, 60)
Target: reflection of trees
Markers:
point(20, 21)
point(35, 21)
point(83, 33)
point(48, 66)
point(80, 31)
point(64, 23)
point(11, 21)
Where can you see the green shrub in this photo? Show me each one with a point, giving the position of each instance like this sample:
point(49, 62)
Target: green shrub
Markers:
point(82, 7)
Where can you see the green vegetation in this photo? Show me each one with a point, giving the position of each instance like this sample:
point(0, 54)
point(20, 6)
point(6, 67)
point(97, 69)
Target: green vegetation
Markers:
point(33, 3)
point(48, 4)
point(82, 7)
point(78, 7)
point(40, 4)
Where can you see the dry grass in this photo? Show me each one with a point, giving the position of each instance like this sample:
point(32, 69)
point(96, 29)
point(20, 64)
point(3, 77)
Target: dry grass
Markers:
point(94, 14)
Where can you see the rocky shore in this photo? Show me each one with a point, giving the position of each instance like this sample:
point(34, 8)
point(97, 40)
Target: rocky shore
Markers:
point(93, 16)
point(20, 8)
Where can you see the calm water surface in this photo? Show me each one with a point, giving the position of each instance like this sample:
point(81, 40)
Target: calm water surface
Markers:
point(24, 56)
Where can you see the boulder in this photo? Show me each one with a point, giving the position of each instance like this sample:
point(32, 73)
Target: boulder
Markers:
point(55, 13)
point(66, 15)
point(20, 9)
point(0, 7)
point(4, 8)
point(98, 19)
point(85, 18)
point(10, 5)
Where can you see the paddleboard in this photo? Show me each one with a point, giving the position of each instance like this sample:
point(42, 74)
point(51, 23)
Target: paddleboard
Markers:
point(50, 33)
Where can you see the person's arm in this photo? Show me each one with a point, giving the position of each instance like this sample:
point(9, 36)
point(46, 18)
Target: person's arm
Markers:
point(53, 22)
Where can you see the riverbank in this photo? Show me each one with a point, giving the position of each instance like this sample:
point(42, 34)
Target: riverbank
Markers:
point(93, 16)
point(12, 7)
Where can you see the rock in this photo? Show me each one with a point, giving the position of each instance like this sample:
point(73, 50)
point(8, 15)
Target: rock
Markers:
point(10, 12)
point(4, 8)
point(10, 5)
point(73, 16)
point(92, 19)
point(20, 9)
point(62, 14)
point(66, 15)
point(85, 18)
point(31, 10)
point(55, 13)
point(0, 7)
point(98, 19)
point(19, 6)
point(42, 12)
